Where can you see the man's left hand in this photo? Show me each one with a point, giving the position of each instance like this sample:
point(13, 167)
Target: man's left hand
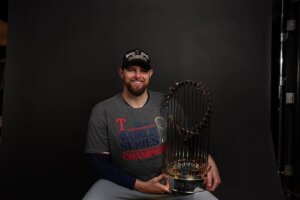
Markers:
point(213, 179)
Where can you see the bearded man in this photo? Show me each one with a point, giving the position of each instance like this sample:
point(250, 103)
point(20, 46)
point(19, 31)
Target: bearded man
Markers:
point(124, 142)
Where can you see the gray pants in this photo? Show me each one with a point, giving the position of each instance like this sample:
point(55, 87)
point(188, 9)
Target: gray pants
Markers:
point(106, 190)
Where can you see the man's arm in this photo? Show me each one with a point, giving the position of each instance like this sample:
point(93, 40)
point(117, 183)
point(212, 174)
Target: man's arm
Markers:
point(105, 169)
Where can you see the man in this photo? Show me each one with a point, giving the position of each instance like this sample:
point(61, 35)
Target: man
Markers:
point(123, 140)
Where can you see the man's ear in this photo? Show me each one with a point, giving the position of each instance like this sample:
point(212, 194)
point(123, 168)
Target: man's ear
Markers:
point(151, 72)
point(120, 72)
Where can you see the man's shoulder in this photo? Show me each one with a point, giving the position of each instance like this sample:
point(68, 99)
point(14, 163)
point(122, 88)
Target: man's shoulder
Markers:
point(108, 102)
point(156, 94)
point(157, 98)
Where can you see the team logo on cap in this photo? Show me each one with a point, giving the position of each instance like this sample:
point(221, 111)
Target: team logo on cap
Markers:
point(137, 55)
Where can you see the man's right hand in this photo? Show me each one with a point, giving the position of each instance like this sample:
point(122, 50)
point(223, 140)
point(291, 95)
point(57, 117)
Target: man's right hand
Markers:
point(154, 185)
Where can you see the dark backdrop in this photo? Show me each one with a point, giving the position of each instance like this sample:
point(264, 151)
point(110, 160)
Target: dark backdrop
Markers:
point(62, 58)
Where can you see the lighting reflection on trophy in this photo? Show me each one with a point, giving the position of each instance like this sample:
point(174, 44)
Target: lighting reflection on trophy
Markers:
point(188, 107)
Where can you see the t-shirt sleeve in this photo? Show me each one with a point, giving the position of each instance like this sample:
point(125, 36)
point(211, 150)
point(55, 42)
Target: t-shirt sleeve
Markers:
point(104, 168)
point(97, 134)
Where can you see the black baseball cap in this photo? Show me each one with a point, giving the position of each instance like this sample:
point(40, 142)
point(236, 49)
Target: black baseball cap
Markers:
point(136, 57)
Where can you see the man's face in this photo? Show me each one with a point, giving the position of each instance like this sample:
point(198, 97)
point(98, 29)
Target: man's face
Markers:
point(136, 79)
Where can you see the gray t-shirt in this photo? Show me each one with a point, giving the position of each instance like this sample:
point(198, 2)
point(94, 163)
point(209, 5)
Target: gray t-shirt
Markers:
point(134, 137)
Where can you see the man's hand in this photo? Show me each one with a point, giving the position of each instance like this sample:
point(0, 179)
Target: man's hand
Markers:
point(159, 184)
point(213, 177)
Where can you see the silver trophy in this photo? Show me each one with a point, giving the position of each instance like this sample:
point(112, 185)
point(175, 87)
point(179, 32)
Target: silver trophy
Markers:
point(188, 109)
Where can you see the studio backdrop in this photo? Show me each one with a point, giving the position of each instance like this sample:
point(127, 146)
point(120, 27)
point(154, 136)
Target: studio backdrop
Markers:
point(62, 59)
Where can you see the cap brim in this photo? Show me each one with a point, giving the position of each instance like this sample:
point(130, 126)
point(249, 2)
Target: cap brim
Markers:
point(140, 63)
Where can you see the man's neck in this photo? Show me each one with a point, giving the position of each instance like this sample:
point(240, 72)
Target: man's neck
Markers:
point(135, 101)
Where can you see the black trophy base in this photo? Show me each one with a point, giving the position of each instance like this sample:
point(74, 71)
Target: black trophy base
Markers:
point(186, 186)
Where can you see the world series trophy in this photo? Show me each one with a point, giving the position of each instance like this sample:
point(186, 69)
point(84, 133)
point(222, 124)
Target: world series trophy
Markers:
point(188, 111)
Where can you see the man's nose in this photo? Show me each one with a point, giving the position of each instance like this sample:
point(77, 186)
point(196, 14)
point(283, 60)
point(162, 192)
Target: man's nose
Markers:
point(137, 73)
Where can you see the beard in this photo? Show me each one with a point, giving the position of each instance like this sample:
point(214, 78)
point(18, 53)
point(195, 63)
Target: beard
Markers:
point(136, 91)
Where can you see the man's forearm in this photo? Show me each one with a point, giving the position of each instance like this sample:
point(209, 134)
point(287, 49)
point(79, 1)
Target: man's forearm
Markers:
point(105, 169)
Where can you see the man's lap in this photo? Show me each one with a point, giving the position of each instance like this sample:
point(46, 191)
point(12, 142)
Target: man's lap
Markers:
point(106, 190)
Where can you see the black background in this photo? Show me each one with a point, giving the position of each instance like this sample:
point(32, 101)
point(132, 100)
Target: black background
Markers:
point(62, 58)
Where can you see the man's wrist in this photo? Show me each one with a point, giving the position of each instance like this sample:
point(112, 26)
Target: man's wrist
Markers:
point(139, 185)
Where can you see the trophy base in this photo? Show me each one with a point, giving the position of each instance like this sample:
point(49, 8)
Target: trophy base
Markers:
point(186, 186)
